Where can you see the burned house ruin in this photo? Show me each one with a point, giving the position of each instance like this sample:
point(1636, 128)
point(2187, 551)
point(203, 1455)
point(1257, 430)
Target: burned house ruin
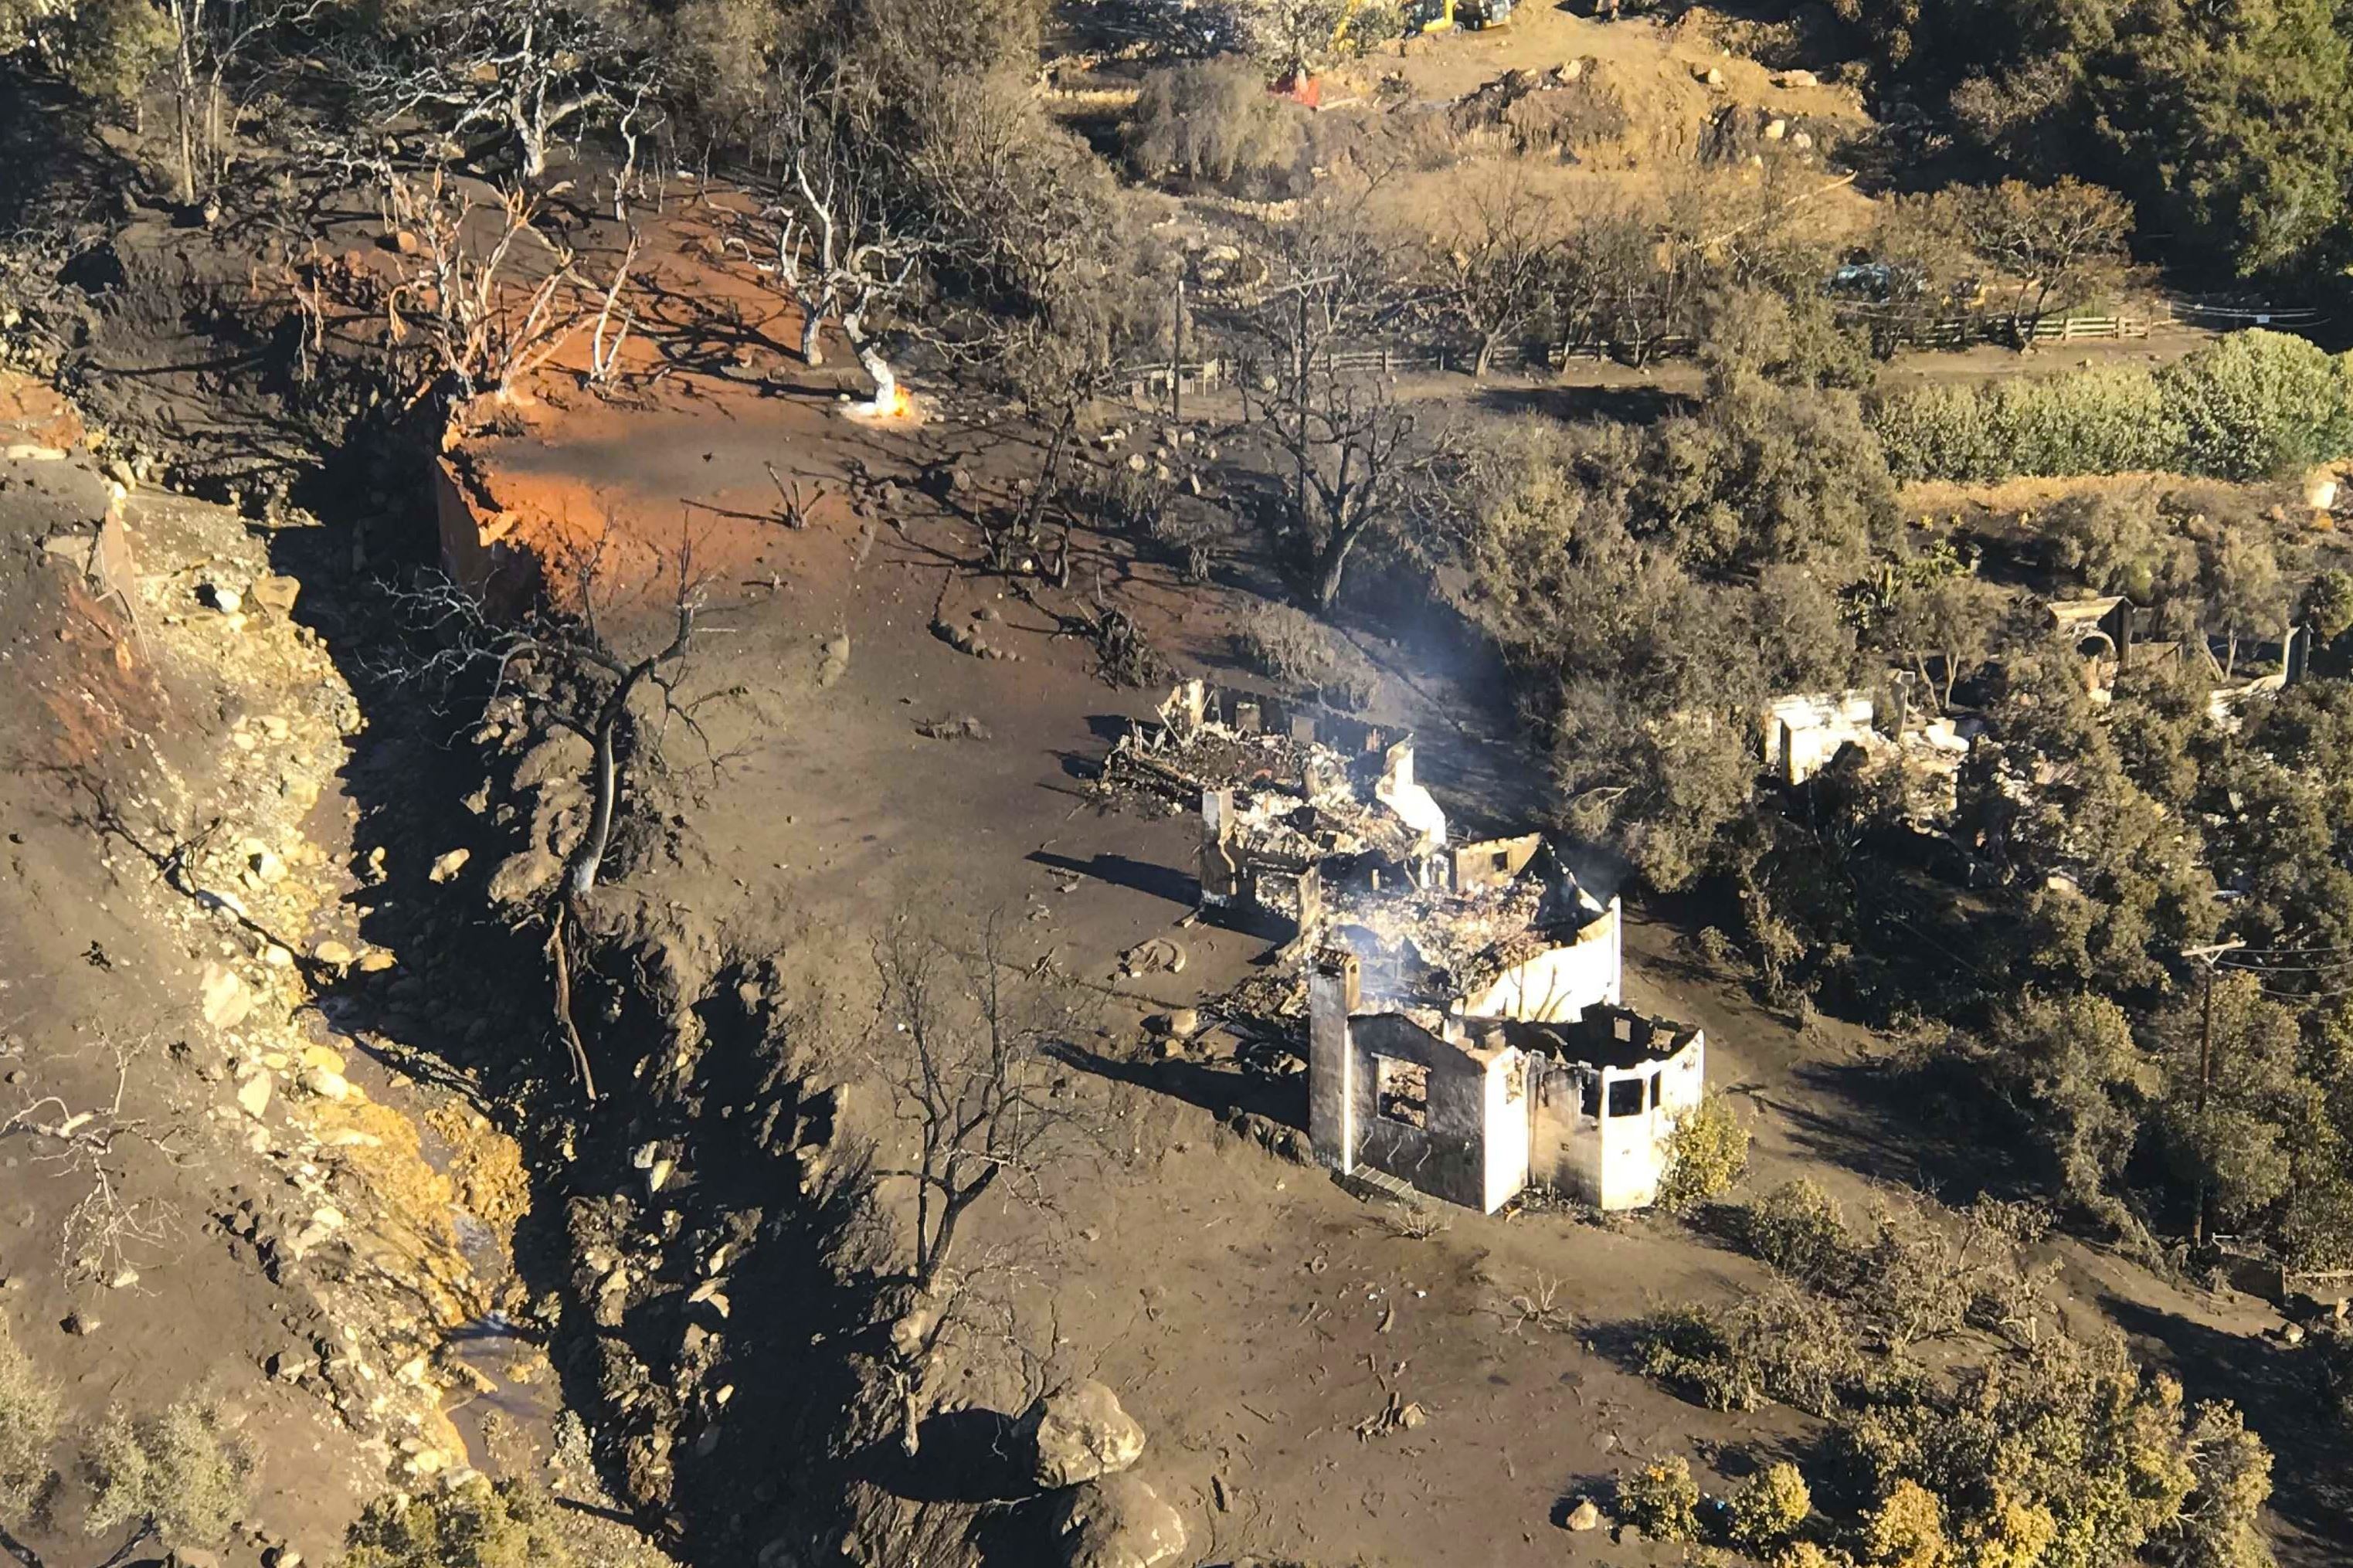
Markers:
point(1466, 1035)
point(1476, 1110)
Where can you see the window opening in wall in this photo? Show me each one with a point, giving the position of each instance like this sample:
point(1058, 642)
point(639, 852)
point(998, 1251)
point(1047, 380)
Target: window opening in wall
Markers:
point(1401, 1091)
point(1589, 1095)
point(1626, 1097)
point(1656, 1079)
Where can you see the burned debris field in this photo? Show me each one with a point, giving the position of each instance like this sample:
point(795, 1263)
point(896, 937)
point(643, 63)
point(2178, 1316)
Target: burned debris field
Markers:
point(1175, 784)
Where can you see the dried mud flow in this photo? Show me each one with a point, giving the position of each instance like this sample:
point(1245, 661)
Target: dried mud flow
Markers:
point(277, 968)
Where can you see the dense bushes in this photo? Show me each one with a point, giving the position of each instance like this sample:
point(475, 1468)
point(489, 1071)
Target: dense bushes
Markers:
point(2089, 422)
point(181, 1467)
point(2030, 1448)
point(1214, 122)
point(1652, 586)
point(1661, 1500)
point(2228, 125)
point(2259, 404)
point(28, 1426)
point(1706, 1153)
point(2255, 404)
point(472, 1525)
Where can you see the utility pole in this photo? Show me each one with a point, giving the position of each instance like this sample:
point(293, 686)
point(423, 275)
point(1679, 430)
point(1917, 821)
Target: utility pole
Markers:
point(2207, 956)
point(1177, 359)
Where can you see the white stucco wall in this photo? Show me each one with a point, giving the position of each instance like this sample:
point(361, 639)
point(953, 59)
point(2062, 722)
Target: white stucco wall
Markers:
point(1559, 984)
point(1507, 1128)
point(1615, 1162)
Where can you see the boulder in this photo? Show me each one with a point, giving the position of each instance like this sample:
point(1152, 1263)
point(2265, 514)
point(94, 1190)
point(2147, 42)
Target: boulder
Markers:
point(1584, 1516)
point(524, 875)
point(1118, 1523)
point(1081, 1432)
point(224, 999)
point(276, 592)
point(449, 865)
point(562, 755)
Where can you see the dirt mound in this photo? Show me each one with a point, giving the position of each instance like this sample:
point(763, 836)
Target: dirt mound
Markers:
point(1566, 107)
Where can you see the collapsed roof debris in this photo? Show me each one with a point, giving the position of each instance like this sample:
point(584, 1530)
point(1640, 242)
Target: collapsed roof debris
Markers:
point(1315, 830)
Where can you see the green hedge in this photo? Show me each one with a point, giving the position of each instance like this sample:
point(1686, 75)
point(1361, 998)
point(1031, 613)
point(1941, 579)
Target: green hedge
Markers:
point(2252, 404)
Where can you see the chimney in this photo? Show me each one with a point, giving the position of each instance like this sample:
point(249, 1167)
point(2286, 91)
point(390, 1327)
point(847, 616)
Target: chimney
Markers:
point(1333, 993)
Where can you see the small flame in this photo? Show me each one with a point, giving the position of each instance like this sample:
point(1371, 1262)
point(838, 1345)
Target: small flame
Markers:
point(898, 404)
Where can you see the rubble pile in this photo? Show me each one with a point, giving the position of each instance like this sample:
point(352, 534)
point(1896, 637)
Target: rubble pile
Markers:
point(1566, 106)
point(1295, 795)
point(1439, 944)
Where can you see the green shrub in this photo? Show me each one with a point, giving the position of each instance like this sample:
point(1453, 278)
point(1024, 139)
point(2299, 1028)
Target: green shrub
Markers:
point(2249, 405)
point(1906, 1529)
point(1770, 1507)
point(1801, 1349)
point(1690, 1349)
point(1801, 1230)
point(2064, 1448)
point(1784, 1345)
point(475, 1525)
point(1661, 1500)
point(2085, 421)
point(2256, 405)
point(1707, 1152)
point(28, 1427)
point(180, 1467)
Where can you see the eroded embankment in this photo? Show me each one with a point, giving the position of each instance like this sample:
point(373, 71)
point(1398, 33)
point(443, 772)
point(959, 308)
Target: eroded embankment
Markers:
point(698, 1231)
point(364, 889)
point(287, 1225)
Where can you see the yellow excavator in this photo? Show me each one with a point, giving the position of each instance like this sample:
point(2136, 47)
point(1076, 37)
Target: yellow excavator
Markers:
point(1424, 17)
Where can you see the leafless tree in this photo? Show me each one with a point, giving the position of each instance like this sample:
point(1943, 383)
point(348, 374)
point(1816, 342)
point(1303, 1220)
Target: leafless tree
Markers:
point(828, 236)
point(1349, 449)
point(110, 1226)
point(1622, 286)
point(533, 69)
point(2060, 244)
point(494, 296)
point(603, 358)
point(1494, 272)
point(1353, 455)
point(581, 658)
point(963, 1042)
point(212, 45)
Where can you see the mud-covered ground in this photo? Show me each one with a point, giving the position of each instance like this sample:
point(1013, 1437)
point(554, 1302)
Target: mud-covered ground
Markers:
point(381, 1207)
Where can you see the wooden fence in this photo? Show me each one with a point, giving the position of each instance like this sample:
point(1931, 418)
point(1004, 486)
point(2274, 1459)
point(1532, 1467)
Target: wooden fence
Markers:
point(2199, 312)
